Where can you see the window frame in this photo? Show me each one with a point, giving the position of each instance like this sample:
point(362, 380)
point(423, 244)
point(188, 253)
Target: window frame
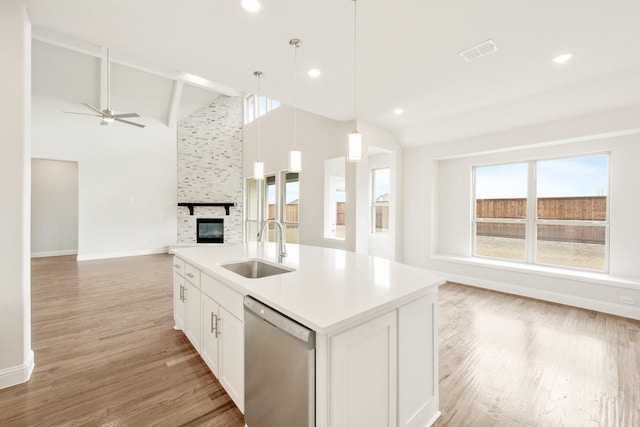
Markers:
point(278, 180)
point(374, 204)
point(251, 107)
point(283, 202)
point(531, 221)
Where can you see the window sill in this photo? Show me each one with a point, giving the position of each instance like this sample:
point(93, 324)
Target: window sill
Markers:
point(583, 276)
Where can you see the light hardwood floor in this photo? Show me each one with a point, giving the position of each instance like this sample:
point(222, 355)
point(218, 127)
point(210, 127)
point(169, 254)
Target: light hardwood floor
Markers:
point(106, 354)
point(512, 361)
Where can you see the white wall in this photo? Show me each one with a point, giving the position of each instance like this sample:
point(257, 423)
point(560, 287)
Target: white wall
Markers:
point(54, 208)
point(438, 209)
point(16, 357)
point(127, 178)
point(319, 139)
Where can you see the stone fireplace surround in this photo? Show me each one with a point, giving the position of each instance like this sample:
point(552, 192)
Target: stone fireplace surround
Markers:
point(210, 168)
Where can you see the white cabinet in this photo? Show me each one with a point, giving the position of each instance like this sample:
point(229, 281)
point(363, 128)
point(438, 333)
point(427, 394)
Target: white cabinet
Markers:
point(231, 357)
point(186, 300)
point(210, 313)
point(418, 362)
point(384, 372)
point(363, 374)
point(193, 320)
point(223, 337)
point(210, 341)
point(178, 294)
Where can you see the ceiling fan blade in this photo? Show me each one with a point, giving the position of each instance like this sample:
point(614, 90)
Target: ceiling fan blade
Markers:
point(121, 116)
point(96, 109)
point(128, 122)
point(82, 114)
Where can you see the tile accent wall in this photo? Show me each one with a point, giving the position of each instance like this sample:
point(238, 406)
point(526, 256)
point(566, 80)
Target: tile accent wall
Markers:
point(210, 167)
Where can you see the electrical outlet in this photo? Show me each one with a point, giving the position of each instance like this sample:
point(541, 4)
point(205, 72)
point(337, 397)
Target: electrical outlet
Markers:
point(627, 300)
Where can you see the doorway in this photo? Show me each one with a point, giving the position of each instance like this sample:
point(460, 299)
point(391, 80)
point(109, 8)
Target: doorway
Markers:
point(54, 208)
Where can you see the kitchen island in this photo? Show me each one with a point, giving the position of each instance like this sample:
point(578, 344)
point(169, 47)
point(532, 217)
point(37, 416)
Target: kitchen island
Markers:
point(375, 323)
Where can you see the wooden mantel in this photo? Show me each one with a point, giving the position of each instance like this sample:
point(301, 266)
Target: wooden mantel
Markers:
point(192, 205)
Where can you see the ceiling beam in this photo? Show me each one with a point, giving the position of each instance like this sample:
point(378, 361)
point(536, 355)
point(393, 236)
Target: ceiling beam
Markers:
point(71, 43)
point(175, 103)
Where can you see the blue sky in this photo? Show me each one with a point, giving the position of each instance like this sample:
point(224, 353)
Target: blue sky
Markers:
point(293, 193)
point(583, 176)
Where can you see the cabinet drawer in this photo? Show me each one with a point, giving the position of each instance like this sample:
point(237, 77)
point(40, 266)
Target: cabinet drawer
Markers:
point(178, 265)
point(192, 274)
point(223, 295)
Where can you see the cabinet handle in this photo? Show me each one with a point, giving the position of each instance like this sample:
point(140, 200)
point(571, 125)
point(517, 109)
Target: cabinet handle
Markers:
point(212, 326)
point(176, 265)
point(216, 327)
point(181, 293)
point(190, 275)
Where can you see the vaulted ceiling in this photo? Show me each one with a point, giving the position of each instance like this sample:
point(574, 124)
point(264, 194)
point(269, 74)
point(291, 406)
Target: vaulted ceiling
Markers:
point(408, 56)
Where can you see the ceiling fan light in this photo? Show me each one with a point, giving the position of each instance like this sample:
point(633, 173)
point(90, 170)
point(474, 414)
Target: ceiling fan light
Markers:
point(354, 153)
point(107, 120)
point(258, 170)
point(295, 161)
point(252, 6)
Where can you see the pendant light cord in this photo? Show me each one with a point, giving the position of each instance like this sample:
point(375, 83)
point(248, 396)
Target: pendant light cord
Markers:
point(355, 61)
point(295, 104)
point(108, 81)
point(258, 74)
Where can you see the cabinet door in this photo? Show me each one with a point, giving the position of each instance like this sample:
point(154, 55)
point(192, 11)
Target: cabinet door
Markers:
point(210, 322)
point(418, 362)
point(231, 354)
point(193, 320)
point(178, 304)
point(363, 374)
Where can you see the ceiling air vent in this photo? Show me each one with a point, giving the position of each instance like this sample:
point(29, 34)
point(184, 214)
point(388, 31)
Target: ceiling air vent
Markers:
point(479, 50)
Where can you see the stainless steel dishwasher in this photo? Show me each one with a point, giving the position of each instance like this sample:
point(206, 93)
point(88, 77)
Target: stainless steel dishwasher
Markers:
point(279, 366)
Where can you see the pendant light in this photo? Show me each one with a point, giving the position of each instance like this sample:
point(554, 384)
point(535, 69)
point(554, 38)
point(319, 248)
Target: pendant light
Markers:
point(295, 157)
point(354, 153)
point(258, 167)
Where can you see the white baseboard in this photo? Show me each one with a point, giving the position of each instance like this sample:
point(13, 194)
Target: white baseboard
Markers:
point(53, 253)
point(525, 291)
point(17, 374)
point(105, 255)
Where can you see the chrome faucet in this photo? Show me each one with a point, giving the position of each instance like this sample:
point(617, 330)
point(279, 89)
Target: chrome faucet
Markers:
point(281, 250)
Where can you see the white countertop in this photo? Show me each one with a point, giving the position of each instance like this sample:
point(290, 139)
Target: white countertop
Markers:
point(330, 289)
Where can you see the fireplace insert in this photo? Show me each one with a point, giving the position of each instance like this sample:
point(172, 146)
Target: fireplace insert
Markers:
point(210, 230)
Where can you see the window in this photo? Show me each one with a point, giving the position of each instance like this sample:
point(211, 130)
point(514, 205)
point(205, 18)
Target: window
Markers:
point(254, 109)
point(291, 206)
point(501, 211)
point(548, 212)
point(380, 200)
point(335, 196)
point(251, 209)
point(270, 211)
point(278, 196)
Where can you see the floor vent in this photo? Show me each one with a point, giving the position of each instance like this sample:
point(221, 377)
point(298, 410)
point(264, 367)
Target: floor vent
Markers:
point(479, 50)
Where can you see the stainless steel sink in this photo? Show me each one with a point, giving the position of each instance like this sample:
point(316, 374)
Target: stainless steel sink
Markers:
point(255, 268)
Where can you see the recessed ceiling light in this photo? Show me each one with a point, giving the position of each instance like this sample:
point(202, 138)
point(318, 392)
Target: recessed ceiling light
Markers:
point(252, 6)
point(398, 111)
point(314, 72)
point(561, 59)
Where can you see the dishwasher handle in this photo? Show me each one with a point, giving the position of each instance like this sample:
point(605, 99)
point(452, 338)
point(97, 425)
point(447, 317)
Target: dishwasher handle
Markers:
point(280, 321)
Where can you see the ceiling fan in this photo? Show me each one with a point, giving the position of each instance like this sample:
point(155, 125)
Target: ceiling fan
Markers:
point(107, 115)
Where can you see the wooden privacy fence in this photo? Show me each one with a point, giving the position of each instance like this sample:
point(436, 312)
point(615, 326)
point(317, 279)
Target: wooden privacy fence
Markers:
point(553, 208)
point(592, 208)
point(293, 210)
